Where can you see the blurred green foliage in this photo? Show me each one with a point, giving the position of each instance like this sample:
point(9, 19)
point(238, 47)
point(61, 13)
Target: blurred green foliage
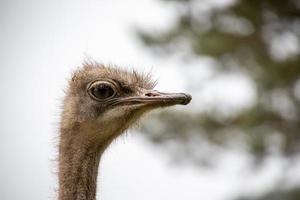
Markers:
point(258, 37)
point(261, 38)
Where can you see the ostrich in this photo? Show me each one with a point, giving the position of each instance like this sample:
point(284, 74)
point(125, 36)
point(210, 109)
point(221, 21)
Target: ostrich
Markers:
point(101, 102)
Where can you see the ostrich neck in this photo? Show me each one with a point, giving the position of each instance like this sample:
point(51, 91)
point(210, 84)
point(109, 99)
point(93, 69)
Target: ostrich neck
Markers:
point(78, 164)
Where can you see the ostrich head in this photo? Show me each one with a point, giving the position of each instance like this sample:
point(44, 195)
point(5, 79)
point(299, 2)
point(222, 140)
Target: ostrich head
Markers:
point(107, 100)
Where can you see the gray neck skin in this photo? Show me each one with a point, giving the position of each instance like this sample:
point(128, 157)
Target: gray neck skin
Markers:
point(79, 158)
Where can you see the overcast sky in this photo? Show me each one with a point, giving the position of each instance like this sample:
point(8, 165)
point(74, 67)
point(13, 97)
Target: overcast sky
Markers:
point(41, 43)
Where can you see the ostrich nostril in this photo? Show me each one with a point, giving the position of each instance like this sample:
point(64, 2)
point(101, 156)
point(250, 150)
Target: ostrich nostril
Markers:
point(151, 94)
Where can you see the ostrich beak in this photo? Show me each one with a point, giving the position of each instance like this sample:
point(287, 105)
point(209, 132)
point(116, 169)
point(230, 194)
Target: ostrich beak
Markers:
point(153, 99)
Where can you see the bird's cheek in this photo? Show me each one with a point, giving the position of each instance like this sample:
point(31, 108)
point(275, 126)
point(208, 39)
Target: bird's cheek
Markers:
point(122, 116)
point(115, 116)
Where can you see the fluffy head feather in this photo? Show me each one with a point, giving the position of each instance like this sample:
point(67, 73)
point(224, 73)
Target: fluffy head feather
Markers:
point(127, 79)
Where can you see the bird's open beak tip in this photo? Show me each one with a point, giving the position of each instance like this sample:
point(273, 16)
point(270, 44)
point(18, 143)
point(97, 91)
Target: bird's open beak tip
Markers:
point(187, 99)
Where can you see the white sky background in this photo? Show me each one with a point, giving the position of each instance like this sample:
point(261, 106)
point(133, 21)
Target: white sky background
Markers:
point(41, 43)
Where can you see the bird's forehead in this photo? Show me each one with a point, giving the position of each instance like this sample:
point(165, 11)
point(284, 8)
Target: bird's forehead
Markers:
point(93, 72)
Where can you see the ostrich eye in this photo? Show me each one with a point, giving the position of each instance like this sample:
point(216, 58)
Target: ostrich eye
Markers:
point(101, 91)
